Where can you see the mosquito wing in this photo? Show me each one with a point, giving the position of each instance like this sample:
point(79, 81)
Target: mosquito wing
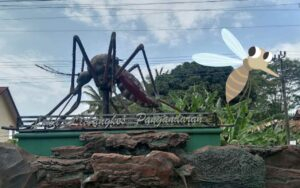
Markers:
point(233, 44)
point(215, 60)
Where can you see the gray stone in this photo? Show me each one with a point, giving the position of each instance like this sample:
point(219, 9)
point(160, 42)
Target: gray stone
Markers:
point(15, 169)
point(226, 166)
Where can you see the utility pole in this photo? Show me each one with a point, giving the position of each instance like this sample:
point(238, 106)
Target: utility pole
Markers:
point(280, 57)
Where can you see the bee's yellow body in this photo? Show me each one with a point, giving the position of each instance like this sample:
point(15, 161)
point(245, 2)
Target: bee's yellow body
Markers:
point(236, 82)
point(238, 78)
point(256, 59)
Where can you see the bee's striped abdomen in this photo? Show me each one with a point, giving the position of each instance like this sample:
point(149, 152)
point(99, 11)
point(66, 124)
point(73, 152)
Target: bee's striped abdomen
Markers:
point(236, 82)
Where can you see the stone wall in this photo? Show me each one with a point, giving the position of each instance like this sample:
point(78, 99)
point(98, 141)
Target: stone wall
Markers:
point(149, 159)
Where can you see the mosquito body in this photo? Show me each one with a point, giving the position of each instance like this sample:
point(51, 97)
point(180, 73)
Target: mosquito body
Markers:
point(130, 87)
point(106, 72)
point(256, 59)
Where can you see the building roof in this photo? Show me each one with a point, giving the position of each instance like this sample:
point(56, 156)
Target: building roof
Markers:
point(4, 91)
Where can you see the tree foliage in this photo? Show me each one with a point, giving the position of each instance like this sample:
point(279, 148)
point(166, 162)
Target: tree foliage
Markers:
point(95, 103)
point(189, 74)
point(267, 90)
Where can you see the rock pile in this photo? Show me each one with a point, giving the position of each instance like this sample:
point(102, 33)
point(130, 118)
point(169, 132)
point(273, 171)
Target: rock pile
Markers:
point(136, 160)
point(115, 170)
point(282, 165)
point(226, 167)
point(139, 143)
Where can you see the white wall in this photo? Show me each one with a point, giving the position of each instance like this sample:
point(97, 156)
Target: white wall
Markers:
point(6, 119)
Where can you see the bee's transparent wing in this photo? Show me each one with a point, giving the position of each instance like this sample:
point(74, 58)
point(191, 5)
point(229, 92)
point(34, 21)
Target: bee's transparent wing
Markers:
point(234, 44)
point(215, 60)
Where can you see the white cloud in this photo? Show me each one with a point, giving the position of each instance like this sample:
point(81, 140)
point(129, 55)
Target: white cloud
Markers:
point(30, 86)
point(242, 18)
point(278, 2)
point(10, 25)
point(2, 44)
point(81, 15)
point(152, 17)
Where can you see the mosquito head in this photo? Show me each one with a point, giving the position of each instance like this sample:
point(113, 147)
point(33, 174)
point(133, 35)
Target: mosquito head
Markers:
point(259, 59)
point(117, 60)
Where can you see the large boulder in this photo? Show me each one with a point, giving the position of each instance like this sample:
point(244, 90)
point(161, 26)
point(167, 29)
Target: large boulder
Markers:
point(282, 177)
point(137, 143)
point(226, 166)
point(282, 165)
point(115, 170)
point(62, 173)
point(70, 152)
point(15, 169)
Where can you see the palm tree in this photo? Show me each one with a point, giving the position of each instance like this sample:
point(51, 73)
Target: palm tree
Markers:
point(118, 104)
point(160, 72)
point(96, 102)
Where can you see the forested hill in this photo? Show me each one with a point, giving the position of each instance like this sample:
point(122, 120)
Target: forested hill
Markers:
point(193, 74)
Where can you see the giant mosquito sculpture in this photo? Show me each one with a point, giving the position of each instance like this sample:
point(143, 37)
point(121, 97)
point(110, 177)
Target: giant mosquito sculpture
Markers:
point(105, 70)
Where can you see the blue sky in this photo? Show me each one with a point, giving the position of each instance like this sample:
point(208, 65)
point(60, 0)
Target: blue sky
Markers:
point(172, 31)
